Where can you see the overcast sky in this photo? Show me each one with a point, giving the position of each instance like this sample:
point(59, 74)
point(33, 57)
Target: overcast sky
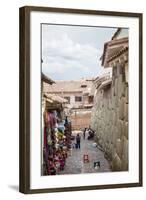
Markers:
point(73, 52)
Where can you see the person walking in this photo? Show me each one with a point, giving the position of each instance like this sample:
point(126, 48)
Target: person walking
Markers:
point(78, 140)
point(84, 133)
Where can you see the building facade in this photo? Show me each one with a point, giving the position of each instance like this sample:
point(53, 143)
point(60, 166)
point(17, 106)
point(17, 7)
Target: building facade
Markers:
point(77, 92)
point(79, 96)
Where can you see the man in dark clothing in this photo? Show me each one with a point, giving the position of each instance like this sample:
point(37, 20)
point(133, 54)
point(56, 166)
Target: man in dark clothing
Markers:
point(78, 140)
point(84, 133)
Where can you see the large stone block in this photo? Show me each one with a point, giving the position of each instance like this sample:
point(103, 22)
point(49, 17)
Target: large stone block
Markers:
point(109, 151)
point(120, 86)
point(114, 117)
point(110, 133)
point(100, 141)
point(121, 108)
point(112, 151)
point(120, 128)
point(126, 112)
point(108, 136)
point(124, 165)
point(115, 135)
point(116, 87)
point(113, 91)
point(127, 94)
point(114, 102)
point(116, 163)
point(119, 148)
point(125, 129)
point(123, 89)
point(119, 69)
point(125, 149)
point(110, 104)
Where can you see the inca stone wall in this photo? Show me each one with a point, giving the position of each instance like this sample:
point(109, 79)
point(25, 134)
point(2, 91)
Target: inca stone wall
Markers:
point(110, 120)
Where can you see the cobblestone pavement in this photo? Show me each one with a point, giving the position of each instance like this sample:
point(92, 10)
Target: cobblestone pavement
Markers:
point(74, 162)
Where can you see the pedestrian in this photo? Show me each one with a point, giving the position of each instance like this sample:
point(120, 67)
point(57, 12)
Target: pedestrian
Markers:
point(66, 120)
point(91, 134)
point(78, 140)
point(87, 132)
point(84, 133)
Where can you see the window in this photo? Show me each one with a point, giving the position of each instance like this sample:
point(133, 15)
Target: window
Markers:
point(68, 99)
point(90, 99)
point(83, 86)
point(78, 98)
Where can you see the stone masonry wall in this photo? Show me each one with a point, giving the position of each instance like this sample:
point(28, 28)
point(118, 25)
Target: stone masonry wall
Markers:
point(110, 120)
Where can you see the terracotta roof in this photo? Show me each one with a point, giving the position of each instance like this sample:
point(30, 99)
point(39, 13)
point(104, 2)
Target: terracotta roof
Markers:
point(113, 49)
point(55, 98)
point(48, 100)
point(46, 79)
point(69, 86)
point(118, 53)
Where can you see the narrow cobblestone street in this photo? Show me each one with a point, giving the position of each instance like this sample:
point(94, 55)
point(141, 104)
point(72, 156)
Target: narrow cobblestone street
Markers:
point(76, 165)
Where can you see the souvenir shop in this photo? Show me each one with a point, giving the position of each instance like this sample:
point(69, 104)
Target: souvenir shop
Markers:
point(56, 140)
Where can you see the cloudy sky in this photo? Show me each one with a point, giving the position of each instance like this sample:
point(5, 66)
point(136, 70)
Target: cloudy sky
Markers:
point(73, 52)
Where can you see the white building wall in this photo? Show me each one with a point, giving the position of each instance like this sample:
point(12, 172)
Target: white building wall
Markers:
point(72, 99)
